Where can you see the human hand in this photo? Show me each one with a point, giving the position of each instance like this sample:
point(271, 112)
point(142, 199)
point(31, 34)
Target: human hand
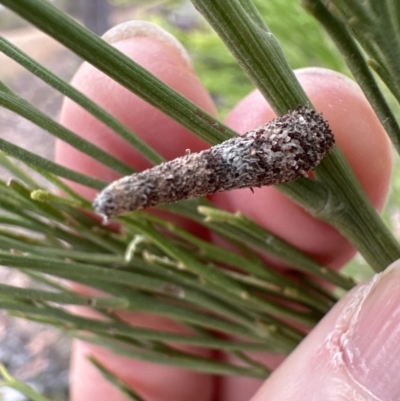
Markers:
point(353, 352)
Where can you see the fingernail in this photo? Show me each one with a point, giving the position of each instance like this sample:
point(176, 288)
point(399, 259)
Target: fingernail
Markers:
point(371, 343)
point(144, 29)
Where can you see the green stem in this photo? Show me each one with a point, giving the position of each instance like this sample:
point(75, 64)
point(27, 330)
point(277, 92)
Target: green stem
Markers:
point(31, 158)
point(256, 50)
point(12, 382)
point(216, 277)
point(61, 185)
point(227, 317)
point(266, 241)
point(187, 361)
point(372, 26)
point(122, 69)
point(15, 293)
point(357, 65)
point(109, 334)
point(348, 211)
point(57, 83)
point(389, 42)
point(26, 110)
point(235, 27)
point(85, 273)
point(394, 12)
point(16, 171)
point(126, 391)
point(261, 274)
point(79, 256)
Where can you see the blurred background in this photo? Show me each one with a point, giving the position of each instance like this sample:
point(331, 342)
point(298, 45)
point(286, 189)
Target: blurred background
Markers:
point(40, 355)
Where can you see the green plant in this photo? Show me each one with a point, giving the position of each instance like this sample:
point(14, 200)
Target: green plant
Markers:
point(139, 266)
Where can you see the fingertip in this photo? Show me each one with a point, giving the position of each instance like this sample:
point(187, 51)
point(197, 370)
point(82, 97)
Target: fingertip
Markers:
point(352, 354)
point(145, 29)
point(170, 139)
point(359, 135)
point(164, 60)
point(138, 373)
point(358, 132)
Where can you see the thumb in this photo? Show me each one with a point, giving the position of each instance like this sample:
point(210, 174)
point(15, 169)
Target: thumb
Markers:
point(353, 354)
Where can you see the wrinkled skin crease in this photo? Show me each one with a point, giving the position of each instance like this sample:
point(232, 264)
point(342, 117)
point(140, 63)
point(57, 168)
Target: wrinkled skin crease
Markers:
point(336, 344)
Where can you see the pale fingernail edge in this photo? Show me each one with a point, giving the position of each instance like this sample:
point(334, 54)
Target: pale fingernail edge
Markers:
point(145, 29)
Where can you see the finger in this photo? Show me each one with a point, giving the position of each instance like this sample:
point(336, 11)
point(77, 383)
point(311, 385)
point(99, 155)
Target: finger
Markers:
point(365, 145)
point(353, 353)
point(359, 135)
point(157, 52)
point(163, 59)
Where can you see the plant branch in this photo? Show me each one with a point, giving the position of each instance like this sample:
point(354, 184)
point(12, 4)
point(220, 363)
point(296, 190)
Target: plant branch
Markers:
point(122, 69)
point(57, 83)
point(357, 65)
point(33, 159)
point(229, 19)
point(31, 113)
point(256, 50)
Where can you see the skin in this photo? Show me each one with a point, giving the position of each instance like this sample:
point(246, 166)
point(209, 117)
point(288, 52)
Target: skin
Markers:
point(366, 147)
